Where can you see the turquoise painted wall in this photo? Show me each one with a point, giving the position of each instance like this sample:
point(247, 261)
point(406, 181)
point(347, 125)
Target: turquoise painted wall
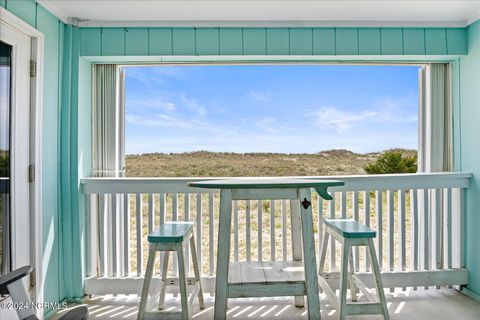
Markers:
point(52, 28)
point(469, 157)
point(272, 41)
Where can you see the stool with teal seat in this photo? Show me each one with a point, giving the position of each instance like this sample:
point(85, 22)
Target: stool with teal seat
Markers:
point(172, 236)
point(351, 233)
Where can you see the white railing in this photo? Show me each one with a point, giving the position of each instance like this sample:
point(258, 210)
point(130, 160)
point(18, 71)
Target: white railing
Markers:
point(418, 218)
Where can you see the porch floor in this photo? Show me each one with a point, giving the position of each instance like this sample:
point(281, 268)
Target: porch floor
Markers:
point(420, 304)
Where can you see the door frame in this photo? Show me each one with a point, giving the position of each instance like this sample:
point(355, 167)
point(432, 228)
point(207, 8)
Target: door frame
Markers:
point(36, 135)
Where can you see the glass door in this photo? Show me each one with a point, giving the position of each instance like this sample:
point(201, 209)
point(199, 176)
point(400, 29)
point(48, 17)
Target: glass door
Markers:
point(15, 53)
point(5, 105)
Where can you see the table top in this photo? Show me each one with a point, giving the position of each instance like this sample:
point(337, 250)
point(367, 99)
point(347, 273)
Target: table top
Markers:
point(264, 183)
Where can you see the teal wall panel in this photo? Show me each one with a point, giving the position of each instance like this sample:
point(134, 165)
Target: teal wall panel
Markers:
point(469, 157)
point(278, 41)
point(3, 3)
point(26, 10)
point(254, 41)
point(456, 41)
point(208, 41)
point(369, 41)
point(392, 41)
point(136, 41)
point(231, 41)
point(435, 41)
point(183, 41)
point(414, 41)
point(50, 26)
point(160, 41)
point(91, 41)
point(72, 222)
point(113, 41)
point(301, 41)
point(323, 41)
point(346, 41)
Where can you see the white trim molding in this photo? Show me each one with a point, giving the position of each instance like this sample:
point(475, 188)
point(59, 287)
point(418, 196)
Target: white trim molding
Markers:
point(36, 135)
point(271, 24)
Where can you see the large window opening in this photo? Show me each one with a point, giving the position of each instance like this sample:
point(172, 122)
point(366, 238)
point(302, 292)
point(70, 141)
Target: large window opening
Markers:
point(268, 120)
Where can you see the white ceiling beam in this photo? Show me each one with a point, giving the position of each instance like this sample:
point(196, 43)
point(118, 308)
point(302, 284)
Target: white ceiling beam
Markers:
point(266, 13)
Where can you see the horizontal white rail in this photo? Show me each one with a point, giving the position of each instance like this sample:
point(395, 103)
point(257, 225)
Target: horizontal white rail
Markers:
point(418, 218)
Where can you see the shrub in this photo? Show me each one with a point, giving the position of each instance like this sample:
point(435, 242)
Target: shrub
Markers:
point(393, 161)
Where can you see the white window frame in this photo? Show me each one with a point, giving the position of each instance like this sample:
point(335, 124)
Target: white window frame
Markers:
point(425, 134)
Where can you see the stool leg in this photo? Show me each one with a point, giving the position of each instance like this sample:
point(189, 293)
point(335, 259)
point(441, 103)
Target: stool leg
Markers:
point(353, 287)
point(323, 251)
point(378, 278)
point(163, 288)
point(296, 226)
point(182, 280)
point(344, 278)
point(196, 271)
point(146, 282)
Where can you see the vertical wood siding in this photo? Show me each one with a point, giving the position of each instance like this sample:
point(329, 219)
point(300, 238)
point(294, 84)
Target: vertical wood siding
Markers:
point(273, 41)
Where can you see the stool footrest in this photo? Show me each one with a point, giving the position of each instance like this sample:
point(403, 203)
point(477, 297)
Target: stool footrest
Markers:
point(191, 281)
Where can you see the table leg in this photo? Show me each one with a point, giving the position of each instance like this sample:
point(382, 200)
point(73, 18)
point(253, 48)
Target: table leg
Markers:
point(311, 279)
point(223, 254)
point(296, 225)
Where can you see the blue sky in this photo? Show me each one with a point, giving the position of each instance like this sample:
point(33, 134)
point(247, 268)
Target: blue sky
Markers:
point(278, 108)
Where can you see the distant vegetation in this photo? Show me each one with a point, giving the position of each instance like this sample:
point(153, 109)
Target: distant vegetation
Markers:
point(4, 164)
point(393, 161)
point(223, 164)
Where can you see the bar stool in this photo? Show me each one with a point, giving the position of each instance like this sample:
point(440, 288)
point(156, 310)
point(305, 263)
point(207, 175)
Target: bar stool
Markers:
point(352, 233)
point(172, 236)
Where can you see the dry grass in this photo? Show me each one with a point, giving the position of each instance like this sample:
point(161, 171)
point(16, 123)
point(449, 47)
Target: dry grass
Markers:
point(222, 164)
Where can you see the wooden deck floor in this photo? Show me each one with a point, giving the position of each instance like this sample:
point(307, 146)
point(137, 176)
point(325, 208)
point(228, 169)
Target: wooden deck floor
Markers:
point(444, 304)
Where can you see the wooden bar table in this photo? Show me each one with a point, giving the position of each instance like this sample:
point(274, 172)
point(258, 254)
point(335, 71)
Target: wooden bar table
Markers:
point(269, 279)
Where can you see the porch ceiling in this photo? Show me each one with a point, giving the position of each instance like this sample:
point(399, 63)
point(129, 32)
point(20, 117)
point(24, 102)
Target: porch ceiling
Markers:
point(267, 12)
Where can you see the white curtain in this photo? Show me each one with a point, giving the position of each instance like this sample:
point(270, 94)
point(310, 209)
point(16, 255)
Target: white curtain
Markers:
point(107, 118)
point(107, 152)
point(435, 120)
point(435, 151)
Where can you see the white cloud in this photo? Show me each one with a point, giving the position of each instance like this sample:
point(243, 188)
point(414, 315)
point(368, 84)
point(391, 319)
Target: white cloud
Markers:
point(260, 96)
point(158, 103)
point(160, 120)
point(267, 124)
point(282, 142)
point(332, 118)
point(192, 104)
point(384, 111)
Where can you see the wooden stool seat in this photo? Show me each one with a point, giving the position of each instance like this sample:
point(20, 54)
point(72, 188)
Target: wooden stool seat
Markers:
point(352, 233)
point(171, 232)
point(172, 236)
point(350, 228)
